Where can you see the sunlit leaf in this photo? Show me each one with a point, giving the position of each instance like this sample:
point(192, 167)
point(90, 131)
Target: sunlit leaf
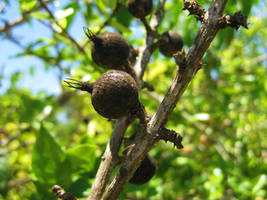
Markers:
point(26, 5)
point(82, 157)
point(48, 160)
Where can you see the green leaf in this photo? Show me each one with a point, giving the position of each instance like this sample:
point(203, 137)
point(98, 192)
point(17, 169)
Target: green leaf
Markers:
point(109, 4)
point(26, 5)
point(3, 171)
point(120, 27)
point(82, 157)
point(16, 77)
point(32, 70)
point(79, 187)
point(40, 15)
point(262, 181)
point(124, 17)
point(48, 161)
point(75, 8)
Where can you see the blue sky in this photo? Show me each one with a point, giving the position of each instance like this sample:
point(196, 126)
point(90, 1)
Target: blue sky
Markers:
point(46, 79)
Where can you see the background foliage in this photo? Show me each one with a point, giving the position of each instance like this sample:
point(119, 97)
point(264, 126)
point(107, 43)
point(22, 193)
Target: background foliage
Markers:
point(48, 139)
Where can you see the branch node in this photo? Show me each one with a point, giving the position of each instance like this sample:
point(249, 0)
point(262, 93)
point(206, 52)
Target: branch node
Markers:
point(194, 9)
point(62, 194)
point(180, 58)
point(234, 21)
point(170, 136)
point(149, 29)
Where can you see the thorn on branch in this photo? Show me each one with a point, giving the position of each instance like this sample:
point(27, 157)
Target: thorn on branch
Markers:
point(194, 9)
point(234, 21)
point(62, 194)
point(170, 136)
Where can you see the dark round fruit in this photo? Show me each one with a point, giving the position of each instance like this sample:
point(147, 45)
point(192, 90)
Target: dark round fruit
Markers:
point(109, 50)
point(115, 94)
point(174, 44)
point(140, 8)
point(144, 172)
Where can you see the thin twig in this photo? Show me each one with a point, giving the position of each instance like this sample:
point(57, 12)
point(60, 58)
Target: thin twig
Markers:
point(65, 33)
point(114, 12)
point(259, 58)
point(22, 145)
point(45, 58)
point(15, 137)
point(150, 30)
point(14, 183)
point(147, 49)
point(24, 17)
point(2, 6)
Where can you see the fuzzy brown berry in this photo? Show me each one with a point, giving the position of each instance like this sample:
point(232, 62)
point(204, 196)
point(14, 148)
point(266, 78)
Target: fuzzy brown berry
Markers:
point(140, 8)
point(174, 44)
point(109, 50)
point(114, 94)
point(144, 172)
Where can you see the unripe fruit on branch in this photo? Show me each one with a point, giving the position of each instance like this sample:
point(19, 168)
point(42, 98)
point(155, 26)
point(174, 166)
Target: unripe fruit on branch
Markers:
point(144, 172)
point(140, 8)
point(114, 94)
point(174, 44)
point(109, 50)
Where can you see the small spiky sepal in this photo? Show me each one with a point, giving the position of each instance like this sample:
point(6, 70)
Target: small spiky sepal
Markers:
point(80, 85)
point(89, 34)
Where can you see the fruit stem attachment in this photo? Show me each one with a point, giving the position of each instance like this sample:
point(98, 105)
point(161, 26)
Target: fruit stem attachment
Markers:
point(141, 113)
point(80, 85)
point(89, 34)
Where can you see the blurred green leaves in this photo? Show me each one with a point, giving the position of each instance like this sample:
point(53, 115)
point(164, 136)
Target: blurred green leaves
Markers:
point(49, 163)
point(82, 157)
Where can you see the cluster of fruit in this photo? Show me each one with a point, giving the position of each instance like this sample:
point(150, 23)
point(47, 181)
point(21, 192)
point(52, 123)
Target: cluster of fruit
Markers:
point(115, 93)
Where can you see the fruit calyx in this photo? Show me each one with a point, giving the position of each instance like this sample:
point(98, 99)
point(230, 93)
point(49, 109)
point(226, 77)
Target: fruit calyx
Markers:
point(80, 85)
point(90, 34)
